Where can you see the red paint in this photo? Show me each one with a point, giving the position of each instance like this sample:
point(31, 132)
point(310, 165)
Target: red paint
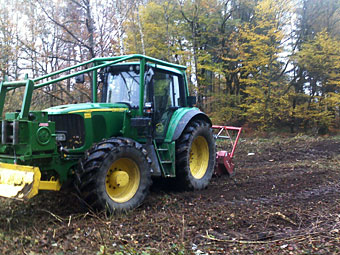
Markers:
point(224, 163)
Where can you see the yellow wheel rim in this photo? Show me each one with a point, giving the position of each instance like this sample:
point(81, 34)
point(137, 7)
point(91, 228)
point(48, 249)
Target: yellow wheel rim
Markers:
point(199, 157)
point(122, 180)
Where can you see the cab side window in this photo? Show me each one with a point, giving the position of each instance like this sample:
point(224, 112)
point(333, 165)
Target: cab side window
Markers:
point(168, 94)
point(167, 90)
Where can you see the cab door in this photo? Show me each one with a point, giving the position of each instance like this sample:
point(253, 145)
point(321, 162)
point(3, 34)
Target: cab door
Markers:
point(166, 92)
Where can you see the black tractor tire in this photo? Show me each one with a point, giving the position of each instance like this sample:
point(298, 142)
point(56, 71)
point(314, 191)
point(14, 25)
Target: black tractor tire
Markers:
point(115, 175)
point(195, 156)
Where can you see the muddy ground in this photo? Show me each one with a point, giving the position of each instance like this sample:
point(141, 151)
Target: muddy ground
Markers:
point(284, 199)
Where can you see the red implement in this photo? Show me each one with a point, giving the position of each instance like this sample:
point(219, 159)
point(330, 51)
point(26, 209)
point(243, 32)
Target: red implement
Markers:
point(224, 159)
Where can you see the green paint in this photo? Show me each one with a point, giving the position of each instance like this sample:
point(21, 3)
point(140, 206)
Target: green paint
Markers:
point(141, 86)
point(175, 119)
point(94, 84)
point(37, 137)
point(27, 100)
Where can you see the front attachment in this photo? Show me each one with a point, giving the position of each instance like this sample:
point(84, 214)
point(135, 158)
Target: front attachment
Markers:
point(18, 181)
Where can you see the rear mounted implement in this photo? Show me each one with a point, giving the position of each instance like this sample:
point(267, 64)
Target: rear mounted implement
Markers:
point(224, 159)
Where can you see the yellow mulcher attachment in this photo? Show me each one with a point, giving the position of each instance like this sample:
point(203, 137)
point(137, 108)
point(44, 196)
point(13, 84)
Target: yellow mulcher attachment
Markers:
point(23, 182)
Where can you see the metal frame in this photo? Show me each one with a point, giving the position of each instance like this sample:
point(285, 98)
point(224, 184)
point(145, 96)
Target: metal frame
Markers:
point(224, 159)
point(97, 63)
point(226, 128)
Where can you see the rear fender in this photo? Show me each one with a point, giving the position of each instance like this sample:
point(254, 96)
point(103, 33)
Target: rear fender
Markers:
point(180, 120)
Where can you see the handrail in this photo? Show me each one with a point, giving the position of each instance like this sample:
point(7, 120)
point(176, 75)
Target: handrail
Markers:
point(113, 60)
point(97, 63)
point(79, 72)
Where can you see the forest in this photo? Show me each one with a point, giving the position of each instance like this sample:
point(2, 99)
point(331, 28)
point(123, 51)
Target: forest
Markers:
point(268, 65)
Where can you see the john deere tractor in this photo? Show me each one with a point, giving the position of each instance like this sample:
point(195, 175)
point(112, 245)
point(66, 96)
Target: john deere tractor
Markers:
point(141, 124)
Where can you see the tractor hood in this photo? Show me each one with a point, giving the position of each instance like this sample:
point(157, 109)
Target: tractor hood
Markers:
point(87, 107)
point(78, 126)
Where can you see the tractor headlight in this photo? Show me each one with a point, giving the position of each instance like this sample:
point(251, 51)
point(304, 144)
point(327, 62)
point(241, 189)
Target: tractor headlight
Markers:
point(60, 137)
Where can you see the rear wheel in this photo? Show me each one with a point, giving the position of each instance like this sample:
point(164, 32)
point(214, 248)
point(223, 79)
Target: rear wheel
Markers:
point(195, 156)
point(114, 175)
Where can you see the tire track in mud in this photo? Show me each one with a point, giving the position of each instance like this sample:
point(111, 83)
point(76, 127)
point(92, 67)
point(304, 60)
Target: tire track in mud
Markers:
point(316, 193)
point(282, 183)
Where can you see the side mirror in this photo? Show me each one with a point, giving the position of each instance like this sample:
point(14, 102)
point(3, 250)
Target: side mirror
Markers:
point(80, 78)
point(191, 100)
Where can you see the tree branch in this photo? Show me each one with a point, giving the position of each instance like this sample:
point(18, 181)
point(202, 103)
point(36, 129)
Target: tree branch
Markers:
point(64, 27)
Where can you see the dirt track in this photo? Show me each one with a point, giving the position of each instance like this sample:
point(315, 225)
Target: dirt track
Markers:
point(283, 200)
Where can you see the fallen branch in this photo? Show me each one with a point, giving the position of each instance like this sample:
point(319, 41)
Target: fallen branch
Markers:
point(284, 217)
point(54, 215)
point(294, 238)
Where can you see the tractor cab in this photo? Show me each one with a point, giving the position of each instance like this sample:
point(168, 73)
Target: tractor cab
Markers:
point(121, 85)
point(163, 93)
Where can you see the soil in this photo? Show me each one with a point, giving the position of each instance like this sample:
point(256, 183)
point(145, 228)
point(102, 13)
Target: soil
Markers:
point(284, 199)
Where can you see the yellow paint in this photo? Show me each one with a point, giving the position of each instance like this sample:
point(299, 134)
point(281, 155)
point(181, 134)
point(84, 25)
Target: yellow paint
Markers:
point(17, 181)
point(101, 110)
point(199, 157)
point(122, 180)
point(23, 182)
point(119, 178)
point(50, 185)
point(87, 115)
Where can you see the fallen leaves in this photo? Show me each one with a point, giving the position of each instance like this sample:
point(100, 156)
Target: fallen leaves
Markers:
point(283, 201)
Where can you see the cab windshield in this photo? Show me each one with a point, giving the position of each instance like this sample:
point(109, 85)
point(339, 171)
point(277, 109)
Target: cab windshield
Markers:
point(123, 87)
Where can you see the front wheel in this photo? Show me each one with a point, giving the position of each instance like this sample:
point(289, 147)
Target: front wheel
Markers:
point(115, 175)
point(195, 156)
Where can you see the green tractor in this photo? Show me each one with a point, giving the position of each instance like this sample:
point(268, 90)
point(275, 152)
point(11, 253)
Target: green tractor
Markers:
point(141, 124)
